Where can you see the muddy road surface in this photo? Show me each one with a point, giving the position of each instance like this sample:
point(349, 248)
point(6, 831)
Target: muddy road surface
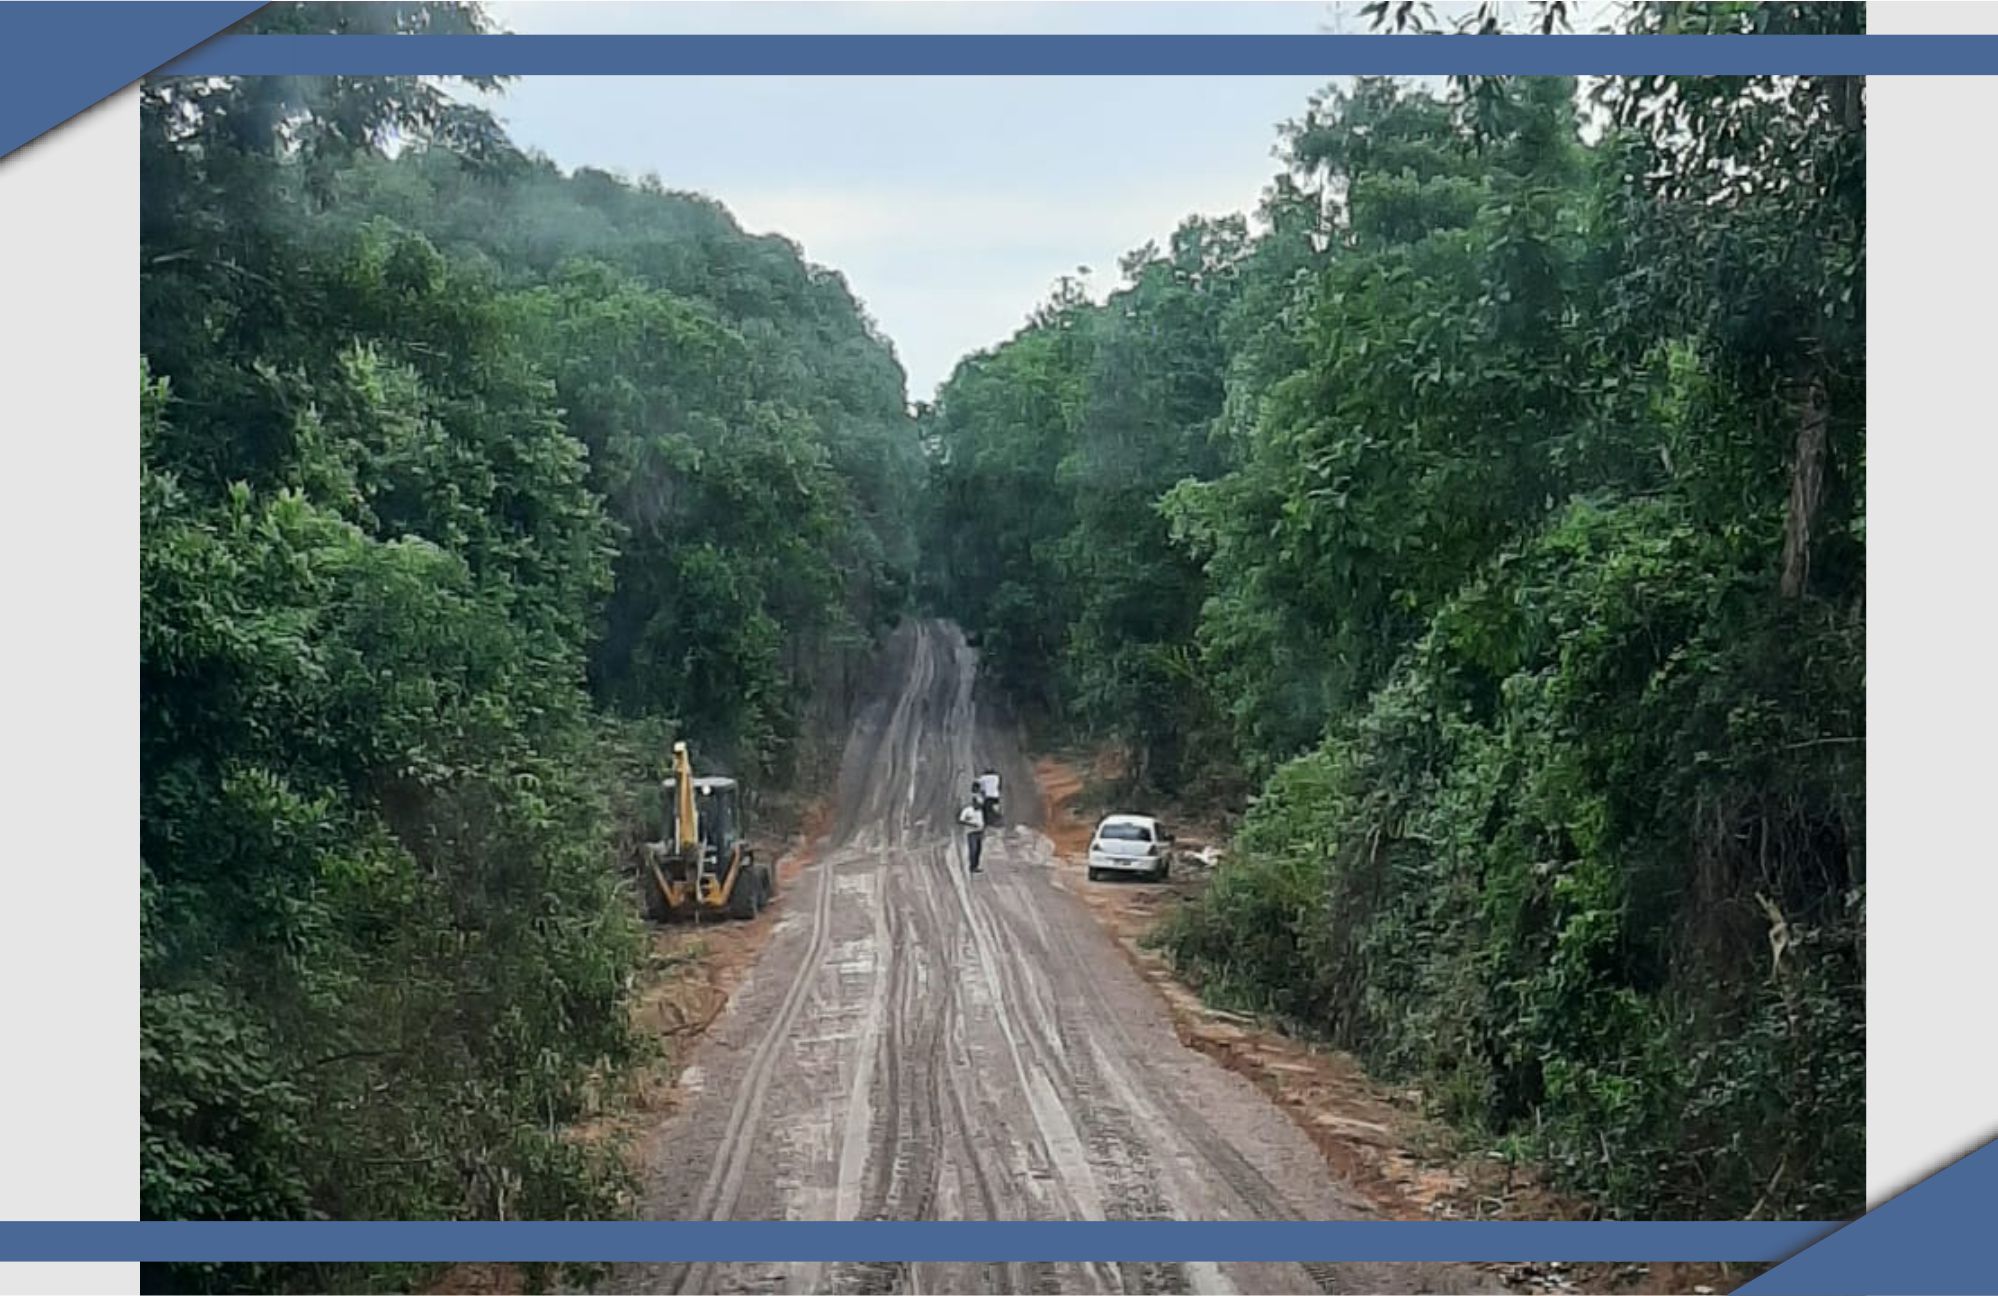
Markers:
point(921, 1043)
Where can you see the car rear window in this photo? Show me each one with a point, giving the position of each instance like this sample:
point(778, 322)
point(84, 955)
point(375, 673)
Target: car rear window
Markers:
point(1125, 832)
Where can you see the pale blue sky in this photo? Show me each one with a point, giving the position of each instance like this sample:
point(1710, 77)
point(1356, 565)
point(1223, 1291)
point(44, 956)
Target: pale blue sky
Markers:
point(950, 204)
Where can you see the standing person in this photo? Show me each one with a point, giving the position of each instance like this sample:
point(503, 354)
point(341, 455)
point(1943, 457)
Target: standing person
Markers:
point(988, 792)
point(973, 820)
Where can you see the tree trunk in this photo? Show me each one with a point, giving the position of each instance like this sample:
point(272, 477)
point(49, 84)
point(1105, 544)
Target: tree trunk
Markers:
point(1807, 486)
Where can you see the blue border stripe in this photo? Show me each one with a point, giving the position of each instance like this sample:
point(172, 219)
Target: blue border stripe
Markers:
point(1093, 55)
point(58, 59)
point(806, 1240)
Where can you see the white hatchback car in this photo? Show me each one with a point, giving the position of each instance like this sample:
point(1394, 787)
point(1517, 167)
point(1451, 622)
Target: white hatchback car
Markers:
point(1130, 844)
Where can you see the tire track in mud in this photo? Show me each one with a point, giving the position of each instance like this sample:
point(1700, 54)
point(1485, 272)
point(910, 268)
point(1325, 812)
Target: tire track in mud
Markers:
point(900, 738)
point(1062, 1146)
point(724, 1180)
point(1158, 1100)
point(1107, 1127)
point(947, 904)
point(947, 1096)
point(902, 1185)
point(1102, 1110)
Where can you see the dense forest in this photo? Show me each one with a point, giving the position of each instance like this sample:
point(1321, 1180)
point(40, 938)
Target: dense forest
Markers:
point(1491, 502)
point(466, 486)
point(1484, 512)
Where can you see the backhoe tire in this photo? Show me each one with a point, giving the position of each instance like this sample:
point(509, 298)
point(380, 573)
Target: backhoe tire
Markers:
point(745, 898)
point(652, 901)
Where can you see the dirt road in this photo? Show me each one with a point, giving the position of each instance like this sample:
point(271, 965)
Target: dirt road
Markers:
point(919, 1043)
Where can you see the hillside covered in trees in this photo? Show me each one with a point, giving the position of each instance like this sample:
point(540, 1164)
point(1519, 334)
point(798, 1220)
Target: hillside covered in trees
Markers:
point(1489, 507)
point(1484, 512)
point(466, 486)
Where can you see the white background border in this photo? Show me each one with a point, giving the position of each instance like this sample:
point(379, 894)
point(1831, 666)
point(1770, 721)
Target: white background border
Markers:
point(1931, 668)
point(69, 684)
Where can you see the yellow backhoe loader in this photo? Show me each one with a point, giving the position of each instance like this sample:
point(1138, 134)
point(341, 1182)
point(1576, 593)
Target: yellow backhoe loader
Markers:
point(705, 866)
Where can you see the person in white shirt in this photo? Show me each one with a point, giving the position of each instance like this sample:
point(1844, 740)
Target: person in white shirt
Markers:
point(973, 820)
point(988, 791)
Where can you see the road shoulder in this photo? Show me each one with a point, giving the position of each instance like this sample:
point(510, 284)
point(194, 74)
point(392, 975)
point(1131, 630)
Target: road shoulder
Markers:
point(1373, 1136)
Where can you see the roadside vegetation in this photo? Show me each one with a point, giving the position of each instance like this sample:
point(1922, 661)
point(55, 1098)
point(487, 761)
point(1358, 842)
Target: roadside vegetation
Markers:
point(1492, 503)
point(466, 485)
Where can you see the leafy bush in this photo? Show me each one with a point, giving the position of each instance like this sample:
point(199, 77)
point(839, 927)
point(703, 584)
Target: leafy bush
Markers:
point(1588, 865)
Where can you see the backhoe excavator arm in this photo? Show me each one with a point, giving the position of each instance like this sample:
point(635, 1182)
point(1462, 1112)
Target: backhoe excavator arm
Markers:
point(686, 822)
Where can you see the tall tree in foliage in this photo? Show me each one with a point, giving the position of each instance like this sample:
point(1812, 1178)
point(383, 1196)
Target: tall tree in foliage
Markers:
point(1428, 420)
point(999, 431)
point(1152, 391)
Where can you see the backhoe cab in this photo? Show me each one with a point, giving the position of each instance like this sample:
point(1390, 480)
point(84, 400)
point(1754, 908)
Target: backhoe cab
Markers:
point(704, 866)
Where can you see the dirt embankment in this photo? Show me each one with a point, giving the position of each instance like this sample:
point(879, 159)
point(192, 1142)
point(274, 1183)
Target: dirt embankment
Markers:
point(1375, 1137)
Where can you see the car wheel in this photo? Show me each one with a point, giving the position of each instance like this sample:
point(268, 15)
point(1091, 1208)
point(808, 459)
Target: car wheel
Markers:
point(1095, 874)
